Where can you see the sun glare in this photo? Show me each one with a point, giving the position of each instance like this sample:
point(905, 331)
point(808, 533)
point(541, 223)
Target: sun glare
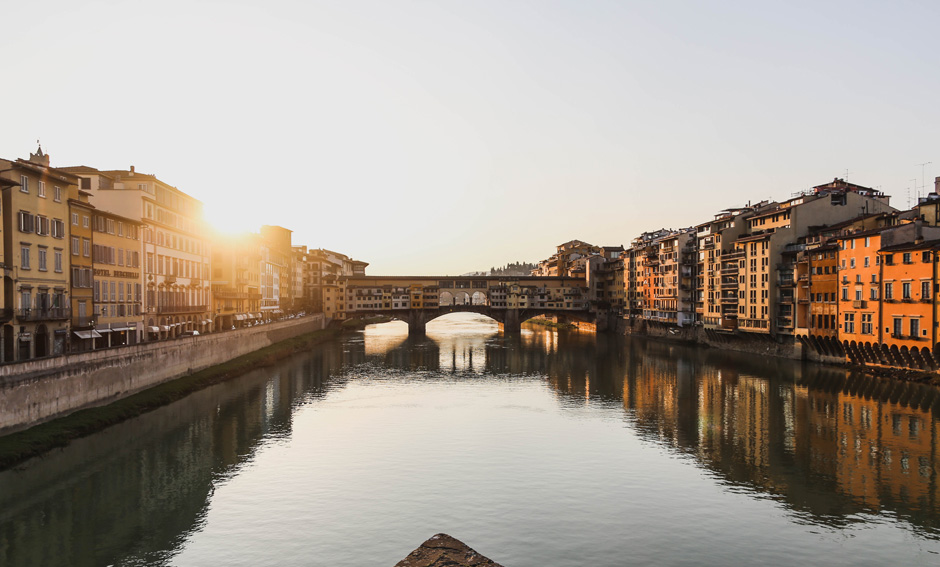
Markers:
point(230, 219)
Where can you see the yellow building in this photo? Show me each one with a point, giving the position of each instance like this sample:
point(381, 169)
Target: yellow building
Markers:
point(118, 281)
point(82, 271)
point(35, 241)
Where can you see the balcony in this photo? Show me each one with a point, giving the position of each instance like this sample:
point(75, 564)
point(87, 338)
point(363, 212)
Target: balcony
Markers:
point(229, 295)
point(173, 309)
point(84, 321)
point(44, 314)
point(859, 304)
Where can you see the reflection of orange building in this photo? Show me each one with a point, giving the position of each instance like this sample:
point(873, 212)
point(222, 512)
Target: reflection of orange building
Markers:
point(809, 440)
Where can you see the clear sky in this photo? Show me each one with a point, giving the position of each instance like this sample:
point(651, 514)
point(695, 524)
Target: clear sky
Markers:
point(444, 137)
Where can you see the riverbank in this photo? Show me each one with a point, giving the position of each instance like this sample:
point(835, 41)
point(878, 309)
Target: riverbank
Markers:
point(764, 345)
point(20, 446)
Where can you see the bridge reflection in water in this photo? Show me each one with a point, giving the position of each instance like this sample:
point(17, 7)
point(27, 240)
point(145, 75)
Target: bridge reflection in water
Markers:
point(828, 445)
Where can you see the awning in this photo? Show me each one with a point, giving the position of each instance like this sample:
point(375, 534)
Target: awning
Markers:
point(88, 334)
point(240, 317)
point(207, 321)
point(164, 328)
point(153, 329)
point(104, 330)
point(119, 329)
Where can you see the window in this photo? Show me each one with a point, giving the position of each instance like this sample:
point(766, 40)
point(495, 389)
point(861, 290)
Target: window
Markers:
point(907, 257)
point(42, 259)
point(867, 242)
point(57, 193)
point(24, 256)
point(867, 259)
point(906, 290)
point(874, 293)
point(850, 322)
point(27, 222)
point(898, 326)
point(42, 226)
point(86, 248)
point(866, 324)
point(75, 246)
point(86, 222)
point(925, 290)
point(852, 261)
point(58, 228)
point(58, 261)
point(858, 294)
point(889, 290)
point(74, 219)
point(42, 189)
point(915, 328)
point(845, 294)
point(925, 257)
point(24, 184)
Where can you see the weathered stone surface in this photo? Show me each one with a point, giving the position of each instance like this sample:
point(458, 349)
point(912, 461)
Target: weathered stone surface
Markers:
point(444, 551)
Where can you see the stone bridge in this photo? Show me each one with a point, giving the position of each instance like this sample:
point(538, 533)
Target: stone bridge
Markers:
point(508, 300)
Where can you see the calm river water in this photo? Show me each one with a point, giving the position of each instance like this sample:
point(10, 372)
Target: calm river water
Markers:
point(548, 449)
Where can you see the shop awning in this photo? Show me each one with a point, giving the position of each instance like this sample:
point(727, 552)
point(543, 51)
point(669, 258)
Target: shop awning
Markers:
point(88, 334)
point(153, 329)
point(240, 317)
point(207, 321)
point(119, 329)
point(164, 328)
point(104, 330)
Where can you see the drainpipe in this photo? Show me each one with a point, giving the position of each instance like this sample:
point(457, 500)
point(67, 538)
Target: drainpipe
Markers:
point(881, 296)
point(933, 302)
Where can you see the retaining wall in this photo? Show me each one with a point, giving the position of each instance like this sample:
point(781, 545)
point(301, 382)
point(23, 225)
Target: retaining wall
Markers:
point(39, 390)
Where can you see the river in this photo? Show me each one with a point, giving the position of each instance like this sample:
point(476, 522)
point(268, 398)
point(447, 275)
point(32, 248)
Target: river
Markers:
point(545, 449)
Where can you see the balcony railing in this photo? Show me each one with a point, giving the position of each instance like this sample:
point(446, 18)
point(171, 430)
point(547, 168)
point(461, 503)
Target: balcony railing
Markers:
point(166, 309)
point(44, 314)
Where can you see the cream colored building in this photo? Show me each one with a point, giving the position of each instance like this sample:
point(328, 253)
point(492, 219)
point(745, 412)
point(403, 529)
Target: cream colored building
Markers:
point(176, 247)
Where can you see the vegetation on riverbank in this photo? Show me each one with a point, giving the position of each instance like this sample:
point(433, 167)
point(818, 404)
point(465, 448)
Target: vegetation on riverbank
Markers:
point(353, 324)
point(22, 445)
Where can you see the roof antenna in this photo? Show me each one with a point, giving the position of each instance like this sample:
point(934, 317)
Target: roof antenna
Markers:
point(923, 184)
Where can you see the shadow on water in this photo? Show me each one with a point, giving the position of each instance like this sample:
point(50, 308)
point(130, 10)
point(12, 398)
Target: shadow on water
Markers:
point(131, 494)
point(830, 445)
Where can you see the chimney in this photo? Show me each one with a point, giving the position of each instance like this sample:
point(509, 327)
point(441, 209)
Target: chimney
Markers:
point(132, 170)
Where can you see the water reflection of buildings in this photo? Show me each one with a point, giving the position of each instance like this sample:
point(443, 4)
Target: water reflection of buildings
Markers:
point(828, 444)
point(145, 484)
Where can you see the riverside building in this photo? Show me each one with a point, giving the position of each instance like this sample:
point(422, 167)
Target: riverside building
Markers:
point(176, 250)
point(35, 210)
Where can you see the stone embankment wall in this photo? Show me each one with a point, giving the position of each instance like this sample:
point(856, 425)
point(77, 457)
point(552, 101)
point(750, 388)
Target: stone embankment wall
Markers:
point(752, 343)
point(35, 391)
point(795, 348)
